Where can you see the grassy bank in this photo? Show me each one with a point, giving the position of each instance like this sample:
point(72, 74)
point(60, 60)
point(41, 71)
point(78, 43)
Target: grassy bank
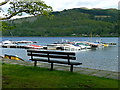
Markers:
point(16, 76)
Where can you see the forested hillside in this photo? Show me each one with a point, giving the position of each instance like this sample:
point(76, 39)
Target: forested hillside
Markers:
point(71, 22)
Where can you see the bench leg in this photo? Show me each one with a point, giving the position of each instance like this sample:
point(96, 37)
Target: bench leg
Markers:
point(71, 68)
point(51, 66)
point(35, 63)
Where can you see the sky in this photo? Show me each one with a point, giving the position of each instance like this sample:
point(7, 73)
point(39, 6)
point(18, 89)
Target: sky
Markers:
point(59, 5)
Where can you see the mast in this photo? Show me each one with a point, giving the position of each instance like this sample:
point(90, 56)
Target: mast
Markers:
point(91, 36)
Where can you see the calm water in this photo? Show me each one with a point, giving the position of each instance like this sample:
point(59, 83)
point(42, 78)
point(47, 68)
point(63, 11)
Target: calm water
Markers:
point(102, 58)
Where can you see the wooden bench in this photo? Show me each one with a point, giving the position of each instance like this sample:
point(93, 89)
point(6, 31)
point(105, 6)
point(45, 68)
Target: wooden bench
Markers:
point(53, 57)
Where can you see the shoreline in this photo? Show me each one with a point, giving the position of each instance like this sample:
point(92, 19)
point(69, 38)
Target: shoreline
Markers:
point(65, 36)
point(80, 70)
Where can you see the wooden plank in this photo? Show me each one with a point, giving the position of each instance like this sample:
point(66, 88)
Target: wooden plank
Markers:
point(38, 55)
point(43, 60)
point(52, 52)
point(53, 56)
point(62, 53)
point(56, 61)
point(62, 57)
point(65, 62)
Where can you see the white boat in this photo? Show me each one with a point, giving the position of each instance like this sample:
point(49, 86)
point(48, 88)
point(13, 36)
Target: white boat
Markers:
point(19, 44)
point(24, 41)
point(8, 43)
point(83, 45)
point(0, 44)
point(53, 46)
point(70, 47)
point(64, 46)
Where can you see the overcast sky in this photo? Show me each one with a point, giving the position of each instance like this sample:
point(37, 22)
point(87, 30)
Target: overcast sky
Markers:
point(59, 5)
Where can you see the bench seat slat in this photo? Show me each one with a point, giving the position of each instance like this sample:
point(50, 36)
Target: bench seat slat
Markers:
point(65, 62)
point(57, 61)
point(44, 60)
point(49, 55)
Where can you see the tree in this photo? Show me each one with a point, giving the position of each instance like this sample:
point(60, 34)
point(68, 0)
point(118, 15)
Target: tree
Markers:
point(18, 7)
point(31, 7)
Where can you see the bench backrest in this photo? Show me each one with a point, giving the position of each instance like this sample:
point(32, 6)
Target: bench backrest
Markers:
point(52, 54)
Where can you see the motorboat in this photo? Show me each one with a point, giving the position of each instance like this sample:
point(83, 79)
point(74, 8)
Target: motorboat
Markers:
point(53, 46)
point(94, 44)
point(8, 43)
point(70, 47)
point(32, 46)
point(83, 45)
point(24, 41)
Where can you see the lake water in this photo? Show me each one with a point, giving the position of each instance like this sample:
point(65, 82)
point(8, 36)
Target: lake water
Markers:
point(102, 58)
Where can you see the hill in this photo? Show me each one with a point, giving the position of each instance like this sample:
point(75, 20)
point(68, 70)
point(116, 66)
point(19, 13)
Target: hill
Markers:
point(71, 22)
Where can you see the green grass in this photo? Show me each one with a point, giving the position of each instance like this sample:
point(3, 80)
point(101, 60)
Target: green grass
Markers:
point(16, 76)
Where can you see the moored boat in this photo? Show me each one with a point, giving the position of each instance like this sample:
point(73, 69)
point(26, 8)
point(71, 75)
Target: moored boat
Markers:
point(32, 46)
point(106, 45)
point(70, 47)
point(94, 44)
point(14, 57)
point(83, 45)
